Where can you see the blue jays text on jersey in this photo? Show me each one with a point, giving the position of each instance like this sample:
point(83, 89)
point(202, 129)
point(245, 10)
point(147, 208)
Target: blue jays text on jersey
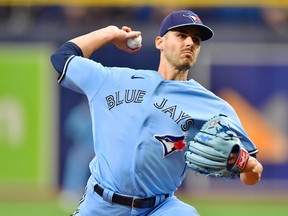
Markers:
point(130, 96)
point(172, 111)
point(137, 96)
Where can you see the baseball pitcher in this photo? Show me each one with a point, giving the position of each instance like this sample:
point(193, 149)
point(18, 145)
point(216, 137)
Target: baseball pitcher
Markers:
point(150, 127)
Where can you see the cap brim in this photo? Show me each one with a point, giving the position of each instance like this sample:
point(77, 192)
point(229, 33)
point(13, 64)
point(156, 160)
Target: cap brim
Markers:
point(205, 31)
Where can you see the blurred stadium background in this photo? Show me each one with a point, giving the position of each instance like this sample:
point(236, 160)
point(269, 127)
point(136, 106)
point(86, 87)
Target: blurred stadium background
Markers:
point(246, 63)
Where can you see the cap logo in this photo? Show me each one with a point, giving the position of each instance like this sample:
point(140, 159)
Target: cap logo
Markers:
point(194, 19)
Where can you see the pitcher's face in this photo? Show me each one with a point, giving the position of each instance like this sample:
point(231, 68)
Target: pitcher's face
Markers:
point(181, 47)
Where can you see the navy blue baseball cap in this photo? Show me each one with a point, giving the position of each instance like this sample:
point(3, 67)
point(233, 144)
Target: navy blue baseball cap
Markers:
point(185, 18)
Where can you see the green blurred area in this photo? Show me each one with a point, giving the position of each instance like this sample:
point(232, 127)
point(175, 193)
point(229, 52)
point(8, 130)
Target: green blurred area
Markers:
point(26, 137)
point(18, 94)
point(206, 207)
point(242, 207)
point(43, 208)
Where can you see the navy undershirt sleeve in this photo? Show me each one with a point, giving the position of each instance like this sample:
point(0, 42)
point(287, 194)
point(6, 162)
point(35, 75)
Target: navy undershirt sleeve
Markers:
point(59, 58)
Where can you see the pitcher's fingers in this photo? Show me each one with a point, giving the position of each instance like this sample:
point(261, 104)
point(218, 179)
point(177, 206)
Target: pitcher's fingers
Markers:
point(126, 29)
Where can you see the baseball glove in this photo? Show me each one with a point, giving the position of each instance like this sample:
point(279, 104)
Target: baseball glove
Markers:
point(211, 149)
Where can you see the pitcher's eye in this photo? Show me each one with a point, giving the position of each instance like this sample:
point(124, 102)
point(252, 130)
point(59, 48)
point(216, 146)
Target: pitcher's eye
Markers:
point(182, 36)
point(196, 40)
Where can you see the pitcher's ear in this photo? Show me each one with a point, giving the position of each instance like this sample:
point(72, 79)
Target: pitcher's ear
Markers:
point(159, 41)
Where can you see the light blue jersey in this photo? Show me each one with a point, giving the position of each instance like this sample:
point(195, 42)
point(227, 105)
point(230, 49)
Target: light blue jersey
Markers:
point(142, 123)
point(127, 116)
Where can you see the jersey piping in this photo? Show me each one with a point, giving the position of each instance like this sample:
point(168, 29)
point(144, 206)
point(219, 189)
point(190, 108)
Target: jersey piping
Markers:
point(62, 75)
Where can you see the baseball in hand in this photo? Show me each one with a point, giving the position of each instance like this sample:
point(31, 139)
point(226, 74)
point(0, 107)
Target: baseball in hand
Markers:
point(134, 43)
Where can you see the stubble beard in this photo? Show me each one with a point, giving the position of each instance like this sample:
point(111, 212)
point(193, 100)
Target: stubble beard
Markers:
point(185, 65)
point(181, 64)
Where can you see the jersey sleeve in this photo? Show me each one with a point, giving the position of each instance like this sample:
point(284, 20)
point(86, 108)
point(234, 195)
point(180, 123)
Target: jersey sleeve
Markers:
point(83, 75)
point(62, 54)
